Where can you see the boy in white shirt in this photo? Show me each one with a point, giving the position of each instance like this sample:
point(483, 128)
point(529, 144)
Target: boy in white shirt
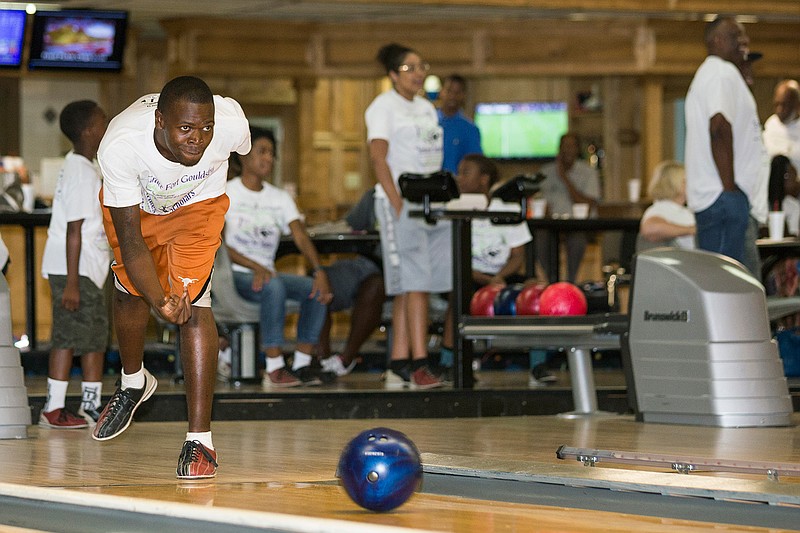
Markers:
point(75, 262)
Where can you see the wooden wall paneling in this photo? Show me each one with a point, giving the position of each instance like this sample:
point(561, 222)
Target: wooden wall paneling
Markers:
point(680, 48)
point(446, 46)
point(560, 46)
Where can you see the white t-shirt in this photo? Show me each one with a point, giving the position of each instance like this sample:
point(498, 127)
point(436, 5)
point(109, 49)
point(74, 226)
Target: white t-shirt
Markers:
point(256, 220)
point(492, 243)
point(412, 130)
point(718, 87)
point(76, 198)
point(783, 139)
point(673, 213)
point(136, 173)
point(581, 175)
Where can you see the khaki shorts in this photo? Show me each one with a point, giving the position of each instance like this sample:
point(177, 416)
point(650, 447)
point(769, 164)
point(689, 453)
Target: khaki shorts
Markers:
point(183, 245)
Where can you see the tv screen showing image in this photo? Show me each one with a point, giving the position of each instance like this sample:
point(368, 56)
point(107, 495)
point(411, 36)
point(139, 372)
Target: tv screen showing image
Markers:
point(521, 130)
point(78, 39)
point(12, 36)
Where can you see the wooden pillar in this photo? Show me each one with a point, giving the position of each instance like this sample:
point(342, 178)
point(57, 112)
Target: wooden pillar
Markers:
point(307, 180)
point(653, 126)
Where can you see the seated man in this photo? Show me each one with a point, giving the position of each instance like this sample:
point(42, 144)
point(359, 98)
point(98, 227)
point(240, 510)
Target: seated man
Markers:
point(498, 251)
point(357, 284)
point(569, 181)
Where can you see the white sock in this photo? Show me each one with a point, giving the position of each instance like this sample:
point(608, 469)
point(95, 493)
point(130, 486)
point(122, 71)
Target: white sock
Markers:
point(275, 363)
point(133, 381)
point(300, 360)
point(56, 394)
point(90, 394)
point(204, 438)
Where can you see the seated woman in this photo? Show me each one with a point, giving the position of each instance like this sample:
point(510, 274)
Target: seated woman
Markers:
point(783, 191)
point(258, 215)
point(668, 222)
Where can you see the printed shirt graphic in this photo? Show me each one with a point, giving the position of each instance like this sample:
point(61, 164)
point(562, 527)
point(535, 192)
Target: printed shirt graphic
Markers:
point(492, 243)
point(136, 173)
point(256, 220)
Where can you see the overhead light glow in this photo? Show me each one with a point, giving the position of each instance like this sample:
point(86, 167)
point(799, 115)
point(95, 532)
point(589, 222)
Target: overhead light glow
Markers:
point(30, 9)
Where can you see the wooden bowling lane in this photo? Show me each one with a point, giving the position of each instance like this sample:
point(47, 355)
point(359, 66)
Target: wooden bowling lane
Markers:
point(288, 467)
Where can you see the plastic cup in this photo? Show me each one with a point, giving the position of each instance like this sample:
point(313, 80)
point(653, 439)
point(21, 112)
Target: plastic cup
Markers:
point(538, 207)
point(634, 190)
point(580, 210)
point(777, 221)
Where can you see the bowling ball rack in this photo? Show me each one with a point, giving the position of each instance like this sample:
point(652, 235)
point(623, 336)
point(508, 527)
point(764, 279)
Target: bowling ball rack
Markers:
point(578, 335)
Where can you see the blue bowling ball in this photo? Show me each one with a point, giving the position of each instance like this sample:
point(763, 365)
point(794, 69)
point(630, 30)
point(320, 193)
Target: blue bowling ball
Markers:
point(505, 303)
point(380, 469)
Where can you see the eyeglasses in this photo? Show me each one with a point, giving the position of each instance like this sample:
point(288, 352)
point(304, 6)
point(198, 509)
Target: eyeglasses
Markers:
point(422, 67)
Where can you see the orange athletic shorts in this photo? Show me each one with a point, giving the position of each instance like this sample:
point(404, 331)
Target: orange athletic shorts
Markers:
point(183, 245)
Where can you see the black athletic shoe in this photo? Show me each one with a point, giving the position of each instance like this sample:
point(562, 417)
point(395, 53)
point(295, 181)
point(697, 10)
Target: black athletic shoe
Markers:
point(118, 413)
point(307, 376)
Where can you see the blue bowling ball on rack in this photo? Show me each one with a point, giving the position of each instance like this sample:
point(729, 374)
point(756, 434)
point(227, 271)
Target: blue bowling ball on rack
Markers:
point(380, 469)
point(505, 303)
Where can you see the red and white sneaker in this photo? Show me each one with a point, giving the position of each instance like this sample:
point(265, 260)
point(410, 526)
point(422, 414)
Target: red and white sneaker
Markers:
point(423, 378)
point(62, 419)
point(196, 461)
point(280, 379)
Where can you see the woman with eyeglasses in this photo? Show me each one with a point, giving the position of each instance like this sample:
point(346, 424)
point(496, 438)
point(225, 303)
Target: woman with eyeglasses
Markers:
point(404, 135)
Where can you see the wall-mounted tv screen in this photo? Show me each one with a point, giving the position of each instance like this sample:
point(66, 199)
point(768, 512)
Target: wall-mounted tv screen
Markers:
point(521, 130)
point(12, 36)
point(78, 39)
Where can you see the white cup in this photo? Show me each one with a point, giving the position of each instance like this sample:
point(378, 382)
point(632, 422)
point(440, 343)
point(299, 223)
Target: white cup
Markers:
point(634, 190)
point(777, 221)
point(28, 197)
point(580, 210)
point(537, 207)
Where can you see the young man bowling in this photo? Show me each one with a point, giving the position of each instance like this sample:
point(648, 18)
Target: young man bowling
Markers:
point(164, 161)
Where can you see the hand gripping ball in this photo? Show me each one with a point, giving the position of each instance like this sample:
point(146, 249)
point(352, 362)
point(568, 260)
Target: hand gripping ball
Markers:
point(562, 299)
point(380, 469)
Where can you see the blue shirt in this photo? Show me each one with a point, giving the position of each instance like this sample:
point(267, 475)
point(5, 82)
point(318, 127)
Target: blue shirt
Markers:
point(461, 137)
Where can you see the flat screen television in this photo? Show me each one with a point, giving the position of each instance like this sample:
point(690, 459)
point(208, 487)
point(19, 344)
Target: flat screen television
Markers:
point(78, 39)
point(12, 37)
point(521, 130)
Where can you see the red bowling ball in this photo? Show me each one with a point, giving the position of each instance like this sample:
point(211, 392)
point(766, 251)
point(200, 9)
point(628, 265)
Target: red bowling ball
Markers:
point(528, 299)
point(562, 299)
point(482, 303)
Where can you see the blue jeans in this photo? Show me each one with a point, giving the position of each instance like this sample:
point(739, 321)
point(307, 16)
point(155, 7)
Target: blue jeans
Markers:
point(273, 296)
point(721, 227)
